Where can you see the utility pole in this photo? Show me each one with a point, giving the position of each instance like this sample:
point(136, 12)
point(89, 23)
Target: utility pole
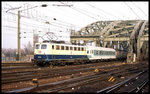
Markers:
point(19, 44)
point(19, 48)
point(19, 51)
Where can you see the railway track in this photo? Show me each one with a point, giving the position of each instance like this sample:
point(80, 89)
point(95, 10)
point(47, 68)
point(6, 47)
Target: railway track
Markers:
point(132, 85)
point(28, 73)
point(9, 67)
point(80, 80)
point(45, 73)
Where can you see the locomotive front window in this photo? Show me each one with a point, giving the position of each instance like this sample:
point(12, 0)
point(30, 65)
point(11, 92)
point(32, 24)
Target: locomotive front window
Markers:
point(37, 46)
point(44, 46)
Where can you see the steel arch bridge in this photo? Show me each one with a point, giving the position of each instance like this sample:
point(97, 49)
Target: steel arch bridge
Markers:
point(130, 35)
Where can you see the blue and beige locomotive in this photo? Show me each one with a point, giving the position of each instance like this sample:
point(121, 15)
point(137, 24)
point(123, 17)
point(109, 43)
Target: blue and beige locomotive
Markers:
point(58, 53)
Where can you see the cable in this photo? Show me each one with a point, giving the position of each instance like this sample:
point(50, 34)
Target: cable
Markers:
point(89, 12)
point(80, 11)
point(54, 24)
point(131, 10)
point(102, 10)
point(139, 9)
point(40, 19)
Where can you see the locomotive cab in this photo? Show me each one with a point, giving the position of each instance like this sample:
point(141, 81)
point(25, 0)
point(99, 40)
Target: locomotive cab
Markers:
point(41, 52)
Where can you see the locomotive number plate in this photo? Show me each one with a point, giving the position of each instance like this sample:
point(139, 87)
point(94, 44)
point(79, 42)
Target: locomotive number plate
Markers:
point(39, 56)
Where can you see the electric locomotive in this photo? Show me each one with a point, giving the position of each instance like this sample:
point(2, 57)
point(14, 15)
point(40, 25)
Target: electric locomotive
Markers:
point(54, 53)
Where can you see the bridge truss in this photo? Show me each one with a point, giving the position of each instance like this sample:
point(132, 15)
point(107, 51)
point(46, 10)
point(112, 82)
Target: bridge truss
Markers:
point(129, 35)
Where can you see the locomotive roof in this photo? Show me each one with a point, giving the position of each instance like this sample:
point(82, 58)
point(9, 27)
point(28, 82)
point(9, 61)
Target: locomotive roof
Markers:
point(89, 47)
point(60, 44)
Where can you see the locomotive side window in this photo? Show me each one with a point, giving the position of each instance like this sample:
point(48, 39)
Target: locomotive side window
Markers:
point(44, 46)
point(57, 47)
point(37, 46)
point(62, 47)
point(82, 49)
point(78, 48)
point(71, 48)
point(67, 48)
point(75, 48)
point(88, 52)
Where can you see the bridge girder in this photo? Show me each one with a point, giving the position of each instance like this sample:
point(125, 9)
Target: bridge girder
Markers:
point(130, 35)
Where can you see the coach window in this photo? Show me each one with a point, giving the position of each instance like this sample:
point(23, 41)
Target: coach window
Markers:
point(100, 52)
point(106, 53)
point(113, 53)
point(97, 52)
point(71, 48)
point(57, 47)
point(37, 46)
point(44, 46)
point(62, 47)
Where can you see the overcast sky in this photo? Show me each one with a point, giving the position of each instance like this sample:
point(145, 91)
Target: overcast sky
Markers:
point(41, 19)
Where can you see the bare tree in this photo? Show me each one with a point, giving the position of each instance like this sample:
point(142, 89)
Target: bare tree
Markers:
point(28, 49)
